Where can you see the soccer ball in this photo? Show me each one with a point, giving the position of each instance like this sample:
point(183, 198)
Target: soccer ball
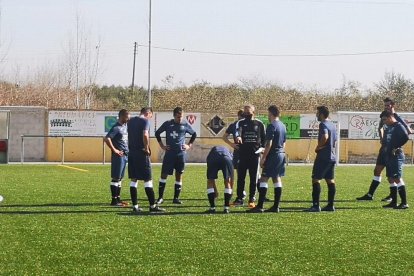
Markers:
point(1, 198)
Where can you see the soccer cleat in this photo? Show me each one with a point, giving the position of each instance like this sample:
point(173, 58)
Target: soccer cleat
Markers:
point(136, 210)
point(365, 197)
point(238, 202)
point(177, 201)
point(114, 202)
point(402, 206)
point(210, 211)
point(160, 201)
point(328, 208)
point(273, 209)
point(386, 199)
point(255, 209)
point(226, 211)
point(313, 209)
point(390, 205)
point(156, 209)
point(251, 204)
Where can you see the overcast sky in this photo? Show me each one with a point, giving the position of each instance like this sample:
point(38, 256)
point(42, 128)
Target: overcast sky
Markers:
point(275, 35)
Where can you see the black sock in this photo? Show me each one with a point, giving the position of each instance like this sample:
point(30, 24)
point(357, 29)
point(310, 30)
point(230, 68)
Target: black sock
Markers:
point(373, 187)
point(161, 189)
point(227, 197)
point(150, 195)
point(393, 194)
point(278, 195)
point(134, 195)
point(211, 198)
point(331, 194)
point(403, 194)
point(118, 192)
point(113, 190)
point(177, 190)
point(262, 194)
point(316, 192)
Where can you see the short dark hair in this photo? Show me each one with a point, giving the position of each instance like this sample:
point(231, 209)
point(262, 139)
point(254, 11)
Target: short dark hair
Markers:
point(122, 112)
point(386, 114)
point(177, 110)
point(388, 99)
point(274, 110)
point(146, 110)
point(240, 113)
point(324, 110)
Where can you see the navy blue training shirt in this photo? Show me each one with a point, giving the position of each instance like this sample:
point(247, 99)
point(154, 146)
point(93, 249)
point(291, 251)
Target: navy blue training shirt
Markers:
point(276, 132)
point(136, 128)
point(119, 136)
point(327, 153)
point(175, 133)
point(395, 137)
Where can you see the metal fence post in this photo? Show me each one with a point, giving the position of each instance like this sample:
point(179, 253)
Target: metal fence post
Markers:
point(22, 151)
point(103, 151)
point(63, 149)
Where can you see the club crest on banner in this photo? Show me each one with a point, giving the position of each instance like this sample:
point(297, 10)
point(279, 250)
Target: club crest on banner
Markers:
point(191, 119)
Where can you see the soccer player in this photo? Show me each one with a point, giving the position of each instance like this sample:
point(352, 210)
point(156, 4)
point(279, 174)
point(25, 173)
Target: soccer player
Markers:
point(139, 167)
point(250, 135)
point(324, 165)
point(230, 131)
point(389, 105)
point(395, 137)
point(273, 161)
point(175, 152)
point(117, 141)
point(219, 158)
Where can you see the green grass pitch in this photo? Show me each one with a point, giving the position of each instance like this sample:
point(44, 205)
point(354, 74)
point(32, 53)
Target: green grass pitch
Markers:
point(55, 220)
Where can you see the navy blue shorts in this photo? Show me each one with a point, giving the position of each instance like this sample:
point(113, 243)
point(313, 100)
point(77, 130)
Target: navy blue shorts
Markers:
point(173, 161)
point(216, 163)
point(394, 166)
point(381, 159)
point(323, 170)
point(118, 165)
point(274, 165)
point(139, 166)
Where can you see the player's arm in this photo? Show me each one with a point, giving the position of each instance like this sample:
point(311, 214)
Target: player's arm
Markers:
point(158, 137)
point(108, 141)
point(268, 146)
point(262, 135)
point(237, 133)
point(192, 139)
point(146, 138)
point(323, 139)
point(226, 139)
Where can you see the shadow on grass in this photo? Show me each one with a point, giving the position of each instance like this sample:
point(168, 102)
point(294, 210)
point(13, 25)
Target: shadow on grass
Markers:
point(55, 205)
point(55, 212)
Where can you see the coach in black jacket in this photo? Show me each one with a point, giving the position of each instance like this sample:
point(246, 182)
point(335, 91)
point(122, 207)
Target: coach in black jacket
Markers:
point(250, 134)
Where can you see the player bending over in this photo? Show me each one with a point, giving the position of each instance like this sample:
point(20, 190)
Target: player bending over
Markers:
point(219, 158)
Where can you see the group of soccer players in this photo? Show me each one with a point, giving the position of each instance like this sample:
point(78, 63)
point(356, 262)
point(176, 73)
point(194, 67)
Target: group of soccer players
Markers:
point(253, 148)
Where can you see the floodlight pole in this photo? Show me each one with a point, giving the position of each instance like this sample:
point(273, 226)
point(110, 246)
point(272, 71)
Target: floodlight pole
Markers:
point(149, 55)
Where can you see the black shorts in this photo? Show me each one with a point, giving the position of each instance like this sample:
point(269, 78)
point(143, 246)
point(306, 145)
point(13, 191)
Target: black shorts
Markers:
point(217, 163)
point(323, 169)
point(139, 166)
point(173, 161)
point(381, 159)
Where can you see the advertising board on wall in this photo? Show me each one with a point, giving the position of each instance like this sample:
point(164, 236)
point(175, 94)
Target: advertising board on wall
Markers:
point(98, 123)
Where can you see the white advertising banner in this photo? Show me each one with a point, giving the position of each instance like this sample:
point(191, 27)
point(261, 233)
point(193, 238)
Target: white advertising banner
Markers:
point(98, 123)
